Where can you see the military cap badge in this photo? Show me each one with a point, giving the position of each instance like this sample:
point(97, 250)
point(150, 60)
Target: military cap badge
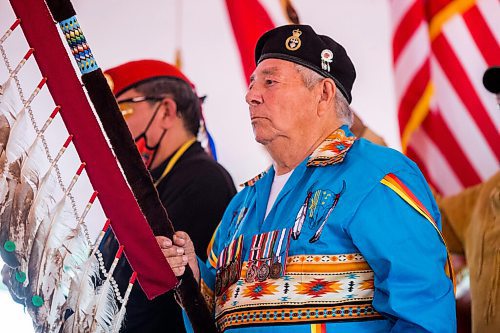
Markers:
point(293, 42)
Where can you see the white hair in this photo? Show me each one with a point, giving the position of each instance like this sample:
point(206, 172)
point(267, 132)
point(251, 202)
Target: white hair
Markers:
point(342, 108)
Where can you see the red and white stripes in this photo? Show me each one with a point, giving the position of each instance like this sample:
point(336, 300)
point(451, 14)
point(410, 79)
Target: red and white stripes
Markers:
point(449, 124)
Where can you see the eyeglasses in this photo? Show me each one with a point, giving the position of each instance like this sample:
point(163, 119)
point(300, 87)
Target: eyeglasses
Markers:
point(126, 107)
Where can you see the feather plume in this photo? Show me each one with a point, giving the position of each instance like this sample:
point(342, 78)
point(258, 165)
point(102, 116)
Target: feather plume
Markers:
point(23, 199)
point(300, 218)
point(118, 321)
point(76, 244)
point(45, 267)
point(28, 218)
point(15, 152)
point(49, 237)
point(104, 308)
point(18, 144)
point(4, 187)
point(9, 107)
point(48, 280)
point(45, 262)
point(14, 149)
point(83, 290)
point(32, 167)
point(75, 250)
point(4, 132)
point(43, 201)
point(12, 180)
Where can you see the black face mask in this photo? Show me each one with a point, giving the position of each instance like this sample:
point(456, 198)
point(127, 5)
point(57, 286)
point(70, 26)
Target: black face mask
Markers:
point(148, 153)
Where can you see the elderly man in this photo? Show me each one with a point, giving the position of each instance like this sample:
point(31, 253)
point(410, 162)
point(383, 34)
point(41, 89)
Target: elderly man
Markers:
point(339, 235)
point(163, 113)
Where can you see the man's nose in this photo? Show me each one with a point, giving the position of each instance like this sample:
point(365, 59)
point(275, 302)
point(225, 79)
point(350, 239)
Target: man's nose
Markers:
point(253, 96)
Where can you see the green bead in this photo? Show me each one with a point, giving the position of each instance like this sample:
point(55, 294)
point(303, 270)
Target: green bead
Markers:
point(37, 301)
point(9, 246)
point(20, 277)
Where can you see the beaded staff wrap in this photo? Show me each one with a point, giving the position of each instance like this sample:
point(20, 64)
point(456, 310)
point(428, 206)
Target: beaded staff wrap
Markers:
point(78, 45)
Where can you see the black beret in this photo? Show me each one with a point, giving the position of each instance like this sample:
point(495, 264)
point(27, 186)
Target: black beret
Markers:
point(300, 44)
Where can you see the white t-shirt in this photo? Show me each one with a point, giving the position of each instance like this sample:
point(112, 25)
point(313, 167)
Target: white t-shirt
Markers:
point(278, 183)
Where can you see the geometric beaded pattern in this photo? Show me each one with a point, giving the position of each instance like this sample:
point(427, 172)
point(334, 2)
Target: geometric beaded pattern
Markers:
point(314, 288)
point(78, 45)
point(332, 150)
point(294, 315)
point(252, 181)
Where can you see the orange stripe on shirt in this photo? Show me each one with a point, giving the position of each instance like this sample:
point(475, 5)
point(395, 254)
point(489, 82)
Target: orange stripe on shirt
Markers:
point(395, 180)
point(318, 328)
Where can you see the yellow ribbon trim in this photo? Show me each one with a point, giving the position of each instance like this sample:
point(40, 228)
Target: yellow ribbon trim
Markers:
point(454, 8)
point(409, 200)
point(418, 115)
point(405, 197)
point(316, 328)
point(321, 268)
point(174, 159)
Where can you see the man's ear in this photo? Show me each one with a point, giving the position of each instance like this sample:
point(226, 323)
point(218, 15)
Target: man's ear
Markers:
point(329, 90)
point(327, 95)
point(168, 112)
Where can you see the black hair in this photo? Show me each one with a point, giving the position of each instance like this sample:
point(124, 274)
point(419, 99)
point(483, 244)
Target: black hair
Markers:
point(188, 104)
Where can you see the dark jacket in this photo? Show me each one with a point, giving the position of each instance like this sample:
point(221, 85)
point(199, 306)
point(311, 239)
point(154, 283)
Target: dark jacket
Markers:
point(195, 193)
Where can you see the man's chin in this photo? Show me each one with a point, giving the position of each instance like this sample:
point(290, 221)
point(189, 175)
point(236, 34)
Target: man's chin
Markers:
point(262, 139)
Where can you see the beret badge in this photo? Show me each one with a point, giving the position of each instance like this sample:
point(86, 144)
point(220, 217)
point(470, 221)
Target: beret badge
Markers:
point(326, 59)
point(293, 42)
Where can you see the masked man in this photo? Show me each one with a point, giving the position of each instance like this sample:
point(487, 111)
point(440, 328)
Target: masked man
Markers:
point(163, 113)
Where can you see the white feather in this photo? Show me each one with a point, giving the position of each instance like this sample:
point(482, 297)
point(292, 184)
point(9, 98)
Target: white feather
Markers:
point(119, 320)
point(77, 248)
point(43, 203)
point(299, 220)
point(9, 107)
point(24, 196)
point(104, 309)
point(15, 152)
point(83, 293)
point(10, 104)
point(18, 143)
point(45, 265)
point(12, 179)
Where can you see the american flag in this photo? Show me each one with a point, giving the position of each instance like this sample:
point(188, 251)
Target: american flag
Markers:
point(449, 123)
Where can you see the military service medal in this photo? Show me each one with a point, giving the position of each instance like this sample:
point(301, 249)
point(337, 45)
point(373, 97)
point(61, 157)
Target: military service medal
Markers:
point(228, 266)
point(326, 59)
point(267, 255)
point(276, 270)
point(218, 284)
point(263, 272)
point(251, 274)
point(252, 258)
